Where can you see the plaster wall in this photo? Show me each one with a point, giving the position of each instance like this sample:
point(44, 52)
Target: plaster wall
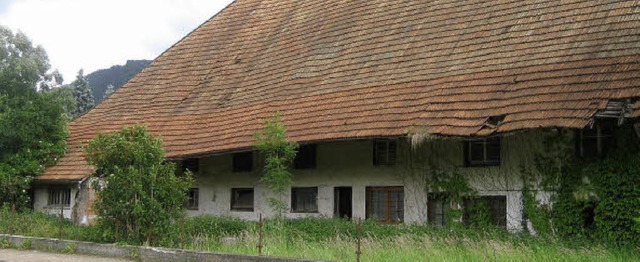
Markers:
point(350, 163)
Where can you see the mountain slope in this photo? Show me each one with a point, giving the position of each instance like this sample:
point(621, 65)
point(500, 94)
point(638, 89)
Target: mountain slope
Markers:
point(117, 76)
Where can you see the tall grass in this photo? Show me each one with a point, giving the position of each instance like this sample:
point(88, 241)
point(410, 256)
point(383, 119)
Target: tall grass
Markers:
point(335, 239)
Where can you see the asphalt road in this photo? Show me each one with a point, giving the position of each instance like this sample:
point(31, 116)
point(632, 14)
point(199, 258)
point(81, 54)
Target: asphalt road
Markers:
point(12, 255)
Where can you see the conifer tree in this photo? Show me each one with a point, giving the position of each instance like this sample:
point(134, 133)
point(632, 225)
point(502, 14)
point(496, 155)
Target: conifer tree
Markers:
point(82, 94)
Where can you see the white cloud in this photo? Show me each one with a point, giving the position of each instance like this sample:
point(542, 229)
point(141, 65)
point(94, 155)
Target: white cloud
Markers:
point(95, 34)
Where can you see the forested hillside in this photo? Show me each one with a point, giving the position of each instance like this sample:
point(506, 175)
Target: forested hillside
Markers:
point(117, 76)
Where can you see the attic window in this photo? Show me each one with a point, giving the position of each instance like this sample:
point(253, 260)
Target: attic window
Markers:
point(191, 164)
point(595, 141)
point(482, 152)
point(306, 157)
point(243, 162)
point(384, 152)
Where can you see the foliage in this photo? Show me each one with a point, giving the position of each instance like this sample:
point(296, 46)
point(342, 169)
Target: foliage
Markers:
point(593, 199)
point(82, 94)
point(137, 189)
point(22, 65)
point(32, 122)
point(110, 89)
point(278, 156)
point(335, 239)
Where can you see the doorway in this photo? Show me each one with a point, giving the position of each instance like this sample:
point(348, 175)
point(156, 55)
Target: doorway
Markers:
point(342, 202)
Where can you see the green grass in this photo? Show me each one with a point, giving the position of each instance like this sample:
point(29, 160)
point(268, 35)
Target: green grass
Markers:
point(335, 239)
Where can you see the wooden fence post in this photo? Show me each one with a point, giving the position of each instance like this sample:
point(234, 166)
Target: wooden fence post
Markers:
point(260, 236)
point(182, 231)
point(13, 219)
point(358, 238)
point(61, 218)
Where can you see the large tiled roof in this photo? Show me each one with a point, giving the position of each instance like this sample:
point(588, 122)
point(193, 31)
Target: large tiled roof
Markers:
point(342, 69)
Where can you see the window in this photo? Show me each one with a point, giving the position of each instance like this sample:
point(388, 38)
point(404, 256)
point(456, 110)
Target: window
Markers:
point(304, 199)
point(595, 142)
point(385, 204)
point(193, 196)
point(437, 208)
point(59, 196)
point(242, 199)
point(243, 162)
point(493, 206)
point(191, 164)
point(384, 152)
point(482, 152)
point(306, 157)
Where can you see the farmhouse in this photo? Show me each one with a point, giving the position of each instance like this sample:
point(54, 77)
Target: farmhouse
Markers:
point(385, 97)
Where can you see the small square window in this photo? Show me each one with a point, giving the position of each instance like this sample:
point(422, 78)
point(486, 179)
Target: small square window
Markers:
point(482, 152)
point(191, 164)
point(306, 157)
point(193, 196)
point(304, 199)
point(59, 196)
point(385, 204)
point(243, 162)
point(242, 199)
point(384, 152)
point(595, 142)
point(496, 206)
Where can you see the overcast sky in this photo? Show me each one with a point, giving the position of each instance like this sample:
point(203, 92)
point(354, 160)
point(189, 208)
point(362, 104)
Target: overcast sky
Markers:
point(96, 34)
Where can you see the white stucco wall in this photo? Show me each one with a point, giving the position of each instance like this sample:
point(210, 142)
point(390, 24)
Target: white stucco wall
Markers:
point(349, 163)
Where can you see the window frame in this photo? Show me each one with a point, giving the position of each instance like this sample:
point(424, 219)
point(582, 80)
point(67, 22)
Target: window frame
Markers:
point(387, 148)
point(193, 199)
point(62, 194)
point(233, 200)
point(295, 194)
point(485, 161)
point(604, 139)
point(434, 201)
point(487, 199)
point(237, 166)
point(387, 190)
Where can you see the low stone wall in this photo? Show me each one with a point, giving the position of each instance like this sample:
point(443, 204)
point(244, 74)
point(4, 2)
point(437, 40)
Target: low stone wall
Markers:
point(137, 252)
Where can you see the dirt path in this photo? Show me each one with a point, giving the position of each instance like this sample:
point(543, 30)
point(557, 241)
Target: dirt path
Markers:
point(12, 255)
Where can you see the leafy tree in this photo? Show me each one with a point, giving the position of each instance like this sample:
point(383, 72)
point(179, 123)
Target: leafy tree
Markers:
point(137, 189)
point(32, 122)
point(82, 94)
point(279, 154)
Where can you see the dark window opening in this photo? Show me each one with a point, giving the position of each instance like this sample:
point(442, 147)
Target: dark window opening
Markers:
point(243, 162)
point(595, 142)
point(482, 152)
point(385, 204)
point(59, 197)
point(494, 207)
point(342, 202)
point(306, 157)
point(193, 196)
point(437, 207)
point(304, 199)
point(588, 215)
point(191, 164)
point(242, 199)
point(384, 152)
